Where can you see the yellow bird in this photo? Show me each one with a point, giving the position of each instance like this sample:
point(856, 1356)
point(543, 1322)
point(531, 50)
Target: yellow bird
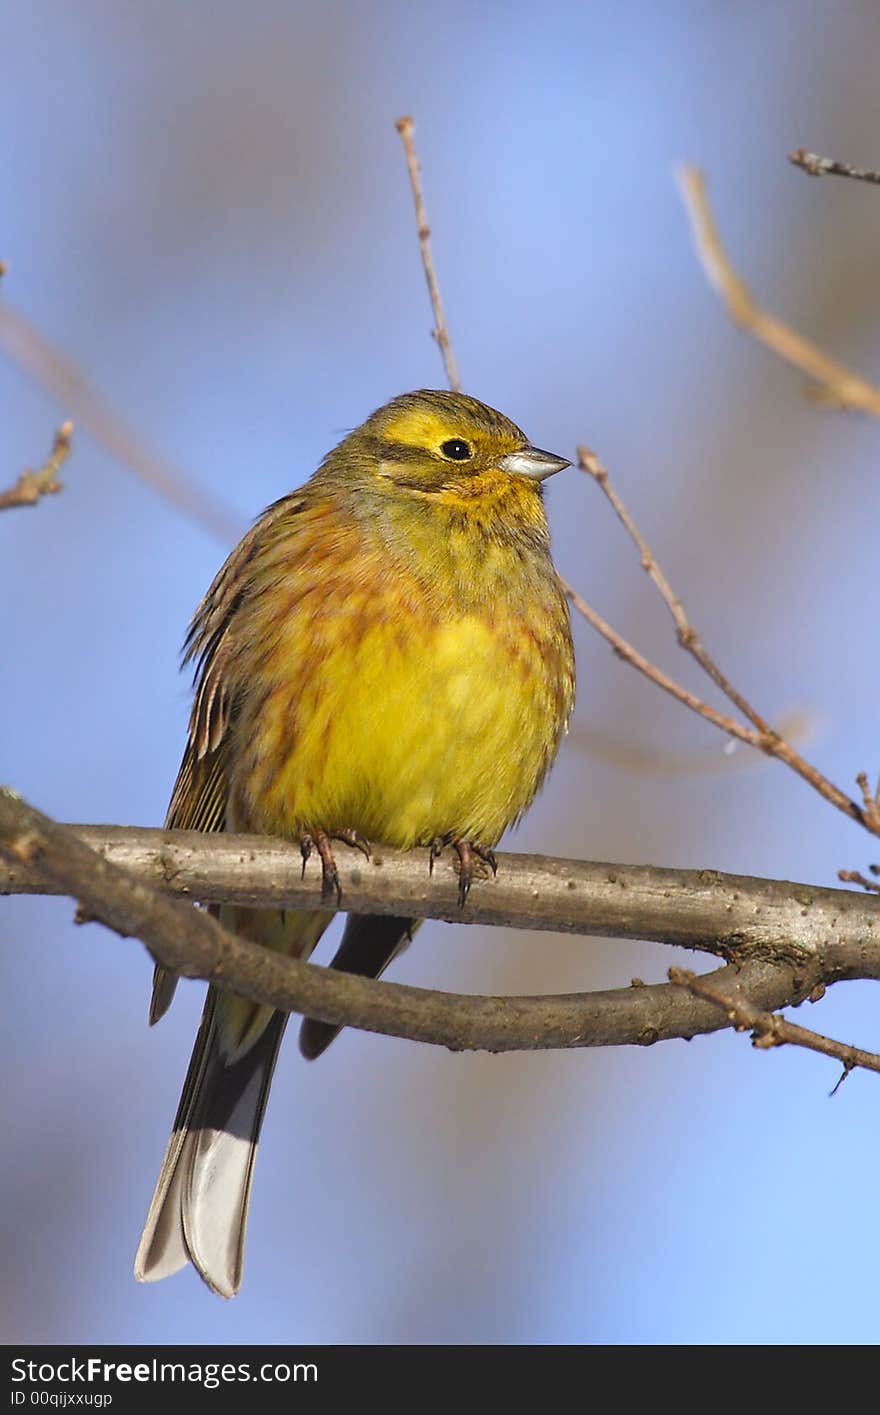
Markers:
point(385, 657)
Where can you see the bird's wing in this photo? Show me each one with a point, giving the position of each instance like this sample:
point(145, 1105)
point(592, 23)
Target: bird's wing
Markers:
point(201, 791)
point(198, 802)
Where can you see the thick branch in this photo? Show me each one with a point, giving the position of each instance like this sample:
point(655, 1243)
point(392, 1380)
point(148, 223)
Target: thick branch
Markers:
point(829, 934)
point(735, 917)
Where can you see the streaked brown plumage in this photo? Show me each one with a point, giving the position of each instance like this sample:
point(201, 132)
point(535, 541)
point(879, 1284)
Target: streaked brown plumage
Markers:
point(386, 653)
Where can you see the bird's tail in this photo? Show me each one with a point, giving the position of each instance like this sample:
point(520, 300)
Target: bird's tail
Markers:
point(200, 1205)
point(368, 945)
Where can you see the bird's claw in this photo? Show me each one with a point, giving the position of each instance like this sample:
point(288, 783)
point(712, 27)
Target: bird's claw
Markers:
point(488, 856)
point(305, 849)
point(355, 840)
point(468, 852)
point(319, 840)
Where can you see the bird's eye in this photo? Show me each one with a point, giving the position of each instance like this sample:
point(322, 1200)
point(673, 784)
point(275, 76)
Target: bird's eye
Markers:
point(456, 449)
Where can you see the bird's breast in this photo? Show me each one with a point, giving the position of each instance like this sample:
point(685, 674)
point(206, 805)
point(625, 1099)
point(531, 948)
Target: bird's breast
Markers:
point(378, 713)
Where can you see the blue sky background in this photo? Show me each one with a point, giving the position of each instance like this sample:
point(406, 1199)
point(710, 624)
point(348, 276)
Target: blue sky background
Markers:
point(206, 204)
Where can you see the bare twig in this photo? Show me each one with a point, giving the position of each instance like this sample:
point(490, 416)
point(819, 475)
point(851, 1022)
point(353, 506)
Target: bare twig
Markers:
point(768, 1029)
point(760, 735)
point(870, 799)
point(55, 371)
point(628, 753)
point(625, 650)
point(835, 382)
point(405, 127)
point(816, 166)
point(687, 635)
point(31, 486)
point(855, 877)
point(193, 943)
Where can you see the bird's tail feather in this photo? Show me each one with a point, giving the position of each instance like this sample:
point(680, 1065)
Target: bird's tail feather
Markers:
point(200, 1205)
point(368, 945)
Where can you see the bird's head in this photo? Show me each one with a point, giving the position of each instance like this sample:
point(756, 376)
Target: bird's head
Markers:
point(447, 446)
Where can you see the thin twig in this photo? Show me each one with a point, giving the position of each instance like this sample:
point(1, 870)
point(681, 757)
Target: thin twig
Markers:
point(816, 166)
point(768, 1029)
point(835, 382)
point(405, 127)
point(855, 877)
point(761, 735)
point(687, 635)
point(31, 486)
point(55, 371)
point(625, 650)
point(870, 799)
point(649, 759)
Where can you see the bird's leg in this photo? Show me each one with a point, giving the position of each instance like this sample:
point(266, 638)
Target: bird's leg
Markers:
point(468, 851)
point(320, 840)
point(465, 869)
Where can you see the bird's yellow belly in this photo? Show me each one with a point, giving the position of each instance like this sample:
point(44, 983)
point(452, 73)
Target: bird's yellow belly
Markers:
point(421, 731)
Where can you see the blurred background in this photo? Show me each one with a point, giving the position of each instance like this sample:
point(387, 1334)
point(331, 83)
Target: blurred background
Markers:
point(206, 204)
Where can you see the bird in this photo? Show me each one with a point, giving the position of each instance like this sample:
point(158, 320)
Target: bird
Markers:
point(384, 658)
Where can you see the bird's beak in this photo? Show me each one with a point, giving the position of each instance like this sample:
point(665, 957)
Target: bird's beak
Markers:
point(532, 462)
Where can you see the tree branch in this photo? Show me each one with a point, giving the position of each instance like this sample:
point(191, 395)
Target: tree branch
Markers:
point(816, 166)
point(57, 372)
point(835, 383)
point(768, 1029)
point(31, 486)
point(760, 735)
point(732, 916)
point(406, 127)
point(783, 943)
point(786, 942)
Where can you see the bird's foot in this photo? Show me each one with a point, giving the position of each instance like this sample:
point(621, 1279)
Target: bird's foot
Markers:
point(354, 839)
point(319, 840)
point(471, 857)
